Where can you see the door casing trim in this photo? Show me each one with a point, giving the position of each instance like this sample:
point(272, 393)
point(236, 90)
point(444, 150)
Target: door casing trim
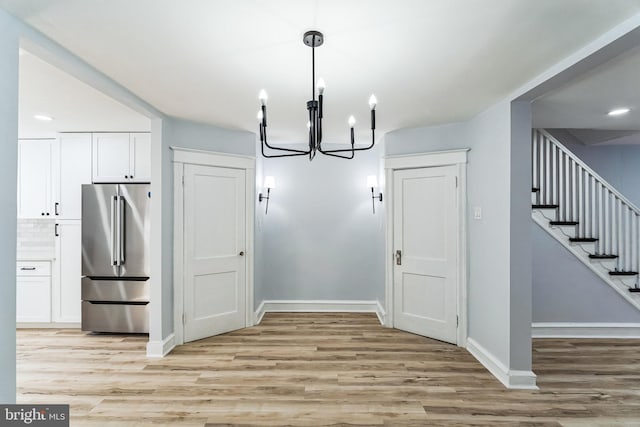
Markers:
point(182, 157)
point(456, 158)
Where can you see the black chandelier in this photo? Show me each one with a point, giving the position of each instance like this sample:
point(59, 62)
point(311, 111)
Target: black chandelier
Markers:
point(314, 39)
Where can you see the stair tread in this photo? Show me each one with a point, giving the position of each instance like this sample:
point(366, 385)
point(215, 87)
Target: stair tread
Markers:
point(534, 190)
point(623, 273)
point(634, 289)
point(563, 222)
point(544, 206)
point(602, 256)
point(583, 239)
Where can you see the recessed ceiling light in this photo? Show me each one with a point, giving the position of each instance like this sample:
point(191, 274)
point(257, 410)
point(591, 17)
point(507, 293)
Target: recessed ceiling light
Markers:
point(618, 111)
point(43, 117)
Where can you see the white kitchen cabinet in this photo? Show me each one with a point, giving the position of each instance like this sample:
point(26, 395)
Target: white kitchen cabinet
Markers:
point(71, 169)
point(34, 178)
point(140, 157)
point(67, 268)
point(121, 157)
point(33, 292)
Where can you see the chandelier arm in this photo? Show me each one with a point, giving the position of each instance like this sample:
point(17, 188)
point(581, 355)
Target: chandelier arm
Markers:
point(369, 147)
point(263, 142)
point(338, 155)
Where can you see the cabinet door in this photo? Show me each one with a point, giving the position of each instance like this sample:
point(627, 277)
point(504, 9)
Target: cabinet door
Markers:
point(33, 299)
point(140, 157)
point(66, 304)
point(34, 178)
point(111, 157)
point(74, 161)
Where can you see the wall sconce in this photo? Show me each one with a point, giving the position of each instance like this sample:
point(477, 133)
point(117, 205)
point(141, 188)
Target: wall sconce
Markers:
point(269, 183)
point(372, 182)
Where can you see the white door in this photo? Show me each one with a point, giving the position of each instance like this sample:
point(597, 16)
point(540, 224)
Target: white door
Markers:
point(140, 157)
point(72, 168)
point(34, 178)
point(214, 239)
point(425, 233)
point(110, 157)
point(67, 272)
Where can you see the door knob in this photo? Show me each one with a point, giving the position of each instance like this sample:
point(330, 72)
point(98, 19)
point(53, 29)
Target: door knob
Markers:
point(399, 257)
point(241, 253)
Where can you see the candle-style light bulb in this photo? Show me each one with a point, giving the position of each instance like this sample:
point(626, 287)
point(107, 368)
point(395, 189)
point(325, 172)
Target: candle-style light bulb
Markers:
point(373, 102)
point(260, 116)
point(262, 96)
point(321, 85)
point(352, 121)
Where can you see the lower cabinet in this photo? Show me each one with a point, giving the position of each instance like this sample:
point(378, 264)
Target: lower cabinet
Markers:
point(49, 291)
point(66, 304)
point(33, 292)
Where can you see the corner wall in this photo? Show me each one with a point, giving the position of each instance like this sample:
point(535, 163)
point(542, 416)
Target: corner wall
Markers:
point(187, 134)
point(499, 295)
point(8, 165)
point(320, 239)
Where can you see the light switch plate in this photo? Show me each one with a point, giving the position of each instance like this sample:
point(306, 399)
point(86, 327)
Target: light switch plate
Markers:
point(477, 212)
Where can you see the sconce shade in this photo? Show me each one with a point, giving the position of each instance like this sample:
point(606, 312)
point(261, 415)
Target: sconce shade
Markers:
point(372, 181)
point(269, 182)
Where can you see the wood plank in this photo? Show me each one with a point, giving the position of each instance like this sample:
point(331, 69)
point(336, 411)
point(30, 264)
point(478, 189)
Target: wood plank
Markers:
point(309, 369)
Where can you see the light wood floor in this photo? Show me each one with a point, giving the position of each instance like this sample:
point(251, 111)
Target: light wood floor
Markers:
point(304, 369)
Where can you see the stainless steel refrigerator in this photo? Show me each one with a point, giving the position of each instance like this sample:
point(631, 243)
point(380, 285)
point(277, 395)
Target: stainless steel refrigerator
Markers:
point(115, 258)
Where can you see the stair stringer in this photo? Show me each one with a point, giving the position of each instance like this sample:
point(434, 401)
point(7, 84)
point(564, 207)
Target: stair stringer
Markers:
point(582, 251)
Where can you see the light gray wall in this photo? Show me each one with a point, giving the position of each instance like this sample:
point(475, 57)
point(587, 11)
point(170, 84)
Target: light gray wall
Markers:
point(566, 290)
point(491, 261)
point(320, 239)
point(9, 34)
point(520, 244)
point(617, 164)
point(186, 134)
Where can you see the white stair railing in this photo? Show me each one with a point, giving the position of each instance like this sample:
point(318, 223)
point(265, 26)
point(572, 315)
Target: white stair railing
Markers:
point(582, 196)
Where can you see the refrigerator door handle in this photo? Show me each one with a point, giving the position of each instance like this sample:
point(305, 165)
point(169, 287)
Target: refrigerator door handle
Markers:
point(112, 242)
point(121, 229)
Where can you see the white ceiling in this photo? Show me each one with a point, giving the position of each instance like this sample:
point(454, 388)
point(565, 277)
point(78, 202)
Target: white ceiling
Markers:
point(428, 62)
point(75, 107)
point(583, 103)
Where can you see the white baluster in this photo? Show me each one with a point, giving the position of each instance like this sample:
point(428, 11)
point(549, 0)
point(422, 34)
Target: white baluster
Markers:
point(534, 158)
point(592, 192)
point(601, 234)
point(574, 198)
point(618, 229)
point(580, 211)
point(607, 221)
point(547, 179)
point(627, 240)
point(554, 174)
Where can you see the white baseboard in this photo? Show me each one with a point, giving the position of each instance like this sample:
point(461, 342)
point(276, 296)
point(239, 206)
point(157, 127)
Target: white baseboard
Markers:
point(382, 315)
point(509, 378)
point(159, 349)
point(330, 306)
point(584, 330)
point(47, 325)
point(259, 314)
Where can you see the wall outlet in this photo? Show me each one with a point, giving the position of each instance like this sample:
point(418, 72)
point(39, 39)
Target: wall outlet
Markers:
point(477, 212)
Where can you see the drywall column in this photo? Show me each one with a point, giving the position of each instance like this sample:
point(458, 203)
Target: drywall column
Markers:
point(8, 201)
point(520, 244)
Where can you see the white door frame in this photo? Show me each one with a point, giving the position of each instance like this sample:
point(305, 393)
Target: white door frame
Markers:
point(456, 158)
point(185, 156)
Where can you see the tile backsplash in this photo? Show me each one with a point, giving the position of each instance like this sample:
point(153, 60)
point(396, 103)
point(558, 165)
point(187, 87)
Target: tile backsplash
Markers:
point(36, 239)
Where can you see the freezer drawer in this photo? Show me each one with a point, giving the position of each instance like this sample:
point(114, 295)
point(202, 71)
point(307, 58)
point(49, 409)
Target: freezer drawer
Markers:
point(119, 318)
point(115, 290)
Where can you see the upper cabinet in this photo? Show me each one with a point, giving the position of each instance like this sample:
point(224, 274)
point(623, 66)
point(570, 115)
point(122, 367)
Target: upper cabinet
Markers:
point(71, 170)
point(35, 198)
point(121, 157)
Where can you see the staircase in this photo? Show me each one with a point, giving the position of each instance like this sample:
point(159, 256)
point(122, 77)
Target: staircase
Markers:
point(586, 215)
